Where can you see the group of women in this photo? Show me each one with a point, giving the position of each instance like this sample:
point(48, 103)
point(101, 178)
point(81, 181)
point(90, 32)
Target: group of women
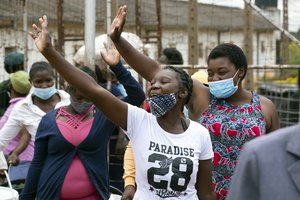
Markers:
point(173, 155)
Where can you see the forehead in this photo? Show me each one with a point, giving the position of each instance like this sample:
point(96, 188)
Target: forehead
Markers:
point(42, 74)
point(166, 73)
point(221, 62)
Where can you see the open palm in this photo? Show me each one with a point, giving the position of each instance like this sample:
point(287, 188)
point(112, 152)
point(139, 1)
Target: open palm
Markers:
point(111, 56)
point(41, 35)
point(117, 25)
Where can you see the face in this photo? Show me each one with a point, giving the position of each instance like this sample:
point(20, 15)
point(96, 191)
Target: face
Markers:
point(221, 69)
point(164, 82)
point(77, 95)
point(42, 79)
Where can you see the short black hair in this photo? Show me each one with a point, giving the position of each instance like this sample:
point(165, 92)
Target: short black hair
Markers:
point(13, 68)
point(173, 55)
point(186, 81)
point(231, 51)
point(40, 66)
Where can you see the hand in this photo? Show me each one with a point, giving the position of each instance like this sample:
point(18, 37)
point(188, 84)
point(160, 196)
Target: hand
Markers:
point(41, 36)
point(128, 193)
point(2, 176)
point(111, 56)
point(13, 159)
point(117, 25)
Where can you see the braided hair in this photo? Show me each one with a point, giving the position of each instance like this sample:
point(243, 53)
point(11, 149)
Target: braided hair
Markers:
point(186, 81)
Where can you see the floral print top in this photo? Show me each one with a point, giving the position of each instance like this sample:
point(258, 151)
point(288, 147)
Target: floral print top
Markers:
point(230, 127)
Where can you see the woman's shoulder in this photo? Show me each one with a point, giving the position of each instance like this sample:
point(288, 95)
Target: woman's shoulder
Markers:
point(265, 103)
point(199, 101)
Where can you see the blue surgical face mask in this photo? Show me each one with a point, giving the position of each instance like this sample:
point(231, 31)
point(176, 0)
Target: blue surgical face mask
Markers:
point(80, 107)
point(224, 88)
point(44, 93)
point(160, 105)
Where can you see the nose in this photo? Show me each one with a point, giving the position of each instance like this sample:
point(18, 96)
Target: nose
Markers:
point(46, 84)
point(215, 78)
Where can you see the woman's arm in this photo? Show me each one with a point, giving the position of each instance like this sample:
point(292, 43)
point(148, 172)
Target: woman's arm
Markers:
point(11, 128)
point(135, 93)
point(204, 186)
point(112, 107)
point(144, 65)
point(129, 173)
point(270, 113)
point(24, 140)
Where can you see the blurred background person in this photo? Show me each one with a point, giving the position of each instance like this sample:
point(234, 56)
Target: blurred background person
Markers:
point(20, 149)
point(13, 62)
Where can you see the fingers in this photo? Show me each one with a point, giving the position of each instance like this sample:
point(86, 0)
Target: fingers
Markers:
point(105, 46)
point(44, 25)
point(44, 22)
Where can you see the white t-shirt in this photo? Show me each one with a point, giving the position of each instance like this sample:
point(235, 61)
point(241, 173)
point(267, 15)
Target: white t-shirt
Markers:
point(166, 164)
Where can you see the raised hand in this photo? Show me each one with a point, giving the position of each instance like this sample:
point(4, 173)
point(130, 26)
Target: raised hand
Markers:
point(117, 25)
point(41, 35)
point(111, 56)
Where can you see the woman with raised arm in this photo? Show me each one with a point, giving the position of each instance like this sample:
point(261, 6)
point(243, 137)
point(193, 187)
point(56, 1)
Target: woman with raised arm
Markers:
point(232, 114)
point(175, 153)
point(70, 159)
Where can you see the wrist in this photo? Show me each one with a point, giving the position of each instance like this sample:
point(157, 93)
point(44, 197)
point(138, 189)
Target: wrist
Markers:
point(15, 153)
point(48, 50)
point(131, 187)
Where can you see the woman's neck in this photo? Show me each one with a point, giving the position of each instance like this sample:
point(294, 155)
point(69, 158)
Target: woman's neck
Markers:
point(240, 97)
point(46, 105)
point(171, 122)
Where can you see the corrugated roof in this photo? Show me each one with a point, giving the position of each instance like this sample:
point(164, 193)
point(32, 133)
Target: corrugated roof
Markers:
point(173, 13)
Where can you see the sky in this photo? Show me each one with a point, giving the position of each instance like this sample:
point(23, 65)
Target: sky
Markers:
point(293, 6)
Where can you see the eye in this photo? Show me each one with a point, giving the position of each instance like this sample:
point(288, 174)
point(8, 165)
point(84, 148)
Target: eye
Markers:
point(222, 73)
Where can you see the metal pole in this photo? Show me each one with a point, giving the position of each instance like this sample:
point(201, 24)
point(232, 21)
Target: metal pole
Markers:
point(25, 32)
point(138, 26)
point(108, 20)
point(159, 34)
point(89, 32)
point(282, 30)
point(193, 32)
point(60, 40)
point(285, 39)
point(248, 44)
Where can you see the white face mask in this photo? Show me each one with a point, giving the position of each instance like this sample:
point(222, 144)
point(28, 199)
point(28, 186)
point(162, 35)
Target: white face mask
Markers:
point(224, 88)
point(44, 93)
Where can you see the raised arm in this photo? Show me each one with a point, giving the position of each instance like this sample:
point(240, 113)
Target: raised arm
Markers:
point(112, 107)
point(144, 65)
point(135, 93)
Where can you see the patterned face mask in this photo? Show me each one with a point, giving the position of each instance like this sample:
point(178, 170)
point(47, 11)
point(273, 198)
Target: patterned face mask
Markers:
point(80, 107)
point(160, 105)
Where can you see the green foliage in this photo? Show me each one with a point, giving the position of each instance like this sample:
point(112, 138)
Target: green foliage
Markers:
point(294, 54)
